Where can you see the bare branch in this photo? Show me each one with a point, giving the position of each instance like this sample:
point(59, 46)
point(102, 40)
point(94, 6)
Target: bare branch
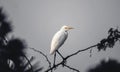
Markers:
point(29, 63)
point(61, 63)
point(72, 68)
point(80, 51)
point(49, 63)
point(55, 66)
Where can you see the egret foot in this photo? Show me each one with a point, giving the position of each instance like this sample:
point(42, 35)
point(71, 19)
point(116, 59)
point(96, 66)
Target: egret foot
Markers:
point(64, 62)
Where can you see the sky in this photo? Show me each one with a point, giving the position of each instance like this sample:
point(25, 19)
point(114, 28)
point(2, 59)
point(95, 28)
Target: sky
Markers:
point(36, 21)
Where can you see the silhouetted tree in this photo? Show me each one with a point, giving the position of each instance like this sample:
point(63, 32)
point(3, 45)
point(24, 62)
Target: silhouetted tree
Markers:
point(106, 66)
point(12, 52)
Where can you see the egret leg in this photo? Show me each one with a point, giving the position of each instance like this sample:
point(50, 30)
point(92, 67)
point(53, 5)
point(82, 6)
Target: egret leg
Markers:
point(54, 59)
point(60, 54)
point(64, 61)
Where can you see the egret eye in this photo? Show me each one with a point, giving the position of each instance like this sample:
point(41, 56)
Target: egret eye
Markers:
point(66, 27)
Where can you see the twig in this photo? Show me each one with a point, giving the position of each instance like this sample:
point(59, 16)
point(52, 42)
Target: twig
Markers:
point(55, 66)
point(29, 63)
point(80, 51)
point(71, 68)
point(44, 56)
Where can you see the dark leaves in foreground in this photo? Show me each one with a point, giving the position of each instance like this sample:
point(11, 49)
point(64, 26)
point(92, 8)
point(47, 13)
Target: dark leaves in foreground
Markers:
point(15, 47)
point(2, 15)
point(22, 65)
point(106, 66)
point(12, 52)
point(109, 42)
point(5, 27)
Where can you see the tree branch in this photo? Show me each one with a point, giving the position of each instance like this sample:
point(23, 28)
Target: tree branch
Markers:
point(49, 63)
point(72, 68)
point(80, 51)
point(61, 63)
point(29, 63)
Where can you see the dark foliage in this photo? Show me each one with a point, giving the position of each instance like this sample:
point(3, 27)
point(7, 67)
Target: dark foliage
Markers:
point(15, 47)
point(2, 16)
point(5, 27)
point(109, 42)
point(12, 52)
point(106, 66)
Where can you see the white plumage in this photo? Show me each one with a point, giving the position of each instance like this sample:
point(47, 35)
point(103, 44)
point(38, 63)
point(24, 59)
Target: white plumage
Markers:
point(59, 38)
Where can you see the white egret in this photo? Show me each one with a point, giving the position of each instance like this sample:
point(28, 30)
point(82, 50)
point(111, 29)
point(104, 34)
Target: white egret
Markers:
point(59, 39)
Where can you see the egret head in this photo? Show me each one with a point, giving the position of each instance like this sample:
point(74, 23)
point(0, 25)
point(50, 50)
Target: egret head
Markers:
point(66, 28)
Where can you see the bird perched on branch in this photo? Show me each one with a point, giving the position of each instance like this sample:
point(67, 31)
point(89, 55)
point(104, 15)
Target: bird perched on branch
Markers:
point(59, 39)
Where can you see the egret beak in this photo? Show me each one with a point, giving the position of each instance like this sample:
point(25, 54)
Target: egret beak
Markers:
point(70, 28)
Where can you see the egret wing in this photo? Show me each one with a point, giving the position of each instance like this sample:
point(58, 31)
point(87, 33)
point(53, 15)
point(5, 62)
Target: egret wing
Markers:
point(58, 40)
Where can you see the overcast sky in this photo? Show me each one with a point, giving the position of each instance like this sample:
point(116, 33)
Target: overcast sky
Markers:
point(37, 21)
